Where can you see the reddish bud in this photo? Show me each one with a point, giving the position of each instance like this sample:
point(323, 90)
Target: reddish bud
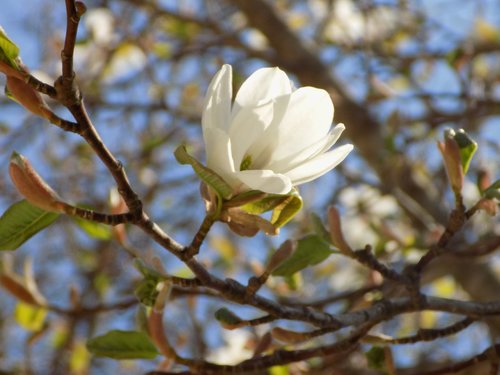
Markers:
point(452, 160)
point(336, 231)
point(8, 70)
point(18, 290)
point(81, 8)
point(29, 183)
point(483, 179)
point(118, 206)
point(28, 97)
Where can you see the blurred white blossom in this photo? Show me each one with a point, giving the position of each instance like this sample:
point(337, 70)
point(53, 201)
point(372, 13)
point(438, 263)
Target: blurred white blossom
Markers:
point(272, 137)
point(349, 23)
point(235, 349)
point(102, 53)
point(365, 206)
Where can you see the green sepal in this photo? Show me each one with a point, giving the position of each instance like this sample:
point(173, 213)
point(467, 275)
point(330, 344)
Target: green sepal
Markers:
point(265, 204)
point(286, 210)
point(467, 147)
point(212, 179)
point(284, 207)
point(9, 51)
point(246, 198)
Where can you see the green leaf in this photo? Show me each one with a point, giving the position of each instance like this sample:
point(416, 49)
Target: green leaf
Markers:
point(285, 211)
point(20, 222)
point(467, 148)
point(31, 318)
point(123, 345)
point(493, 191)
point(319, 228)
point(310, 251)
point(95, 230)
point(227, 318)
point(376, 358)
point(9, 51)
point(208, 176)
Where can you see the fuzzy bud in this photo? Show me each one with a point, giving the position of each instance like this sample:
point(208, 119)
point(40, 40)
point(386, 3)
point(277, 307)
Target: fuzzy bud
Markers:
point(452, 160)
point(29, 183)
point(336, 231)
point(28, 97)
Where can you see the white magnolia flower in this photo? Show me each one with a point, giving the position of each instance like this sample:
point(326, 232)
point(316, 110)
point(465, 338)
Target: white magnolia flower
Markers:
point(272, 137)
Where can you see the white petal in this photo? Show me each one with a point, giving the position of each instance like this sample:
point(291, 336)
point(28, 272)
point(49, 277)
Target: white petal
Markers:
point(319, 165)
point(263, 147)
point(248, 126)
point(263, 85)
point(219, 157)
point(217, 107)
point(307, 121)
point(266, 181)
point(307, 153)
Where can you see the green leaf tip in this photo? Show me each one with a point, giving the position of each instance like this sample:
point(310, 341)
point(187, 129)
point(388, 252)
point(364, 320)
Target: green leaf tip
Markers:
point(466, 145)
point(227, 318)
point(9, 51)
point(20, 222)
point(207, 175)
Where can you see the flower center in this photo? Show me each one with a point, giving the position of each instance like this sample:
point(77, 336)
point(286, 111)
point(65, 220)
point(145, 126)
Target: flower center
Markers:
point(245, 163)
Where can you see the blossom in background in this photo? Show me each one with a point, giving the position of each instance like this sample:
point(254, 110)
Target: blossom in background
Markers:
point(272, 137)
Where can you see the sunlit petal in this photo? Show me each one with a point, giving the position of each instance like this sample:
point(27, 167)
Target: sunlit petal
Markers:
point(266, 181)
point(247, 127)
point(217, 107)
point(263, 85)
point(219, 157)
point(319, 165)
point(307, 121)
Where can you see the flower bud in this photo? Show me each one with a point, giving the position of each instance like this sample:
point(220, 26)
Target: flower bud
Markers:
point(336, 231)
point(228, 319)
point(29, 183)
point(27, 96)
point(452, 160)
point(8, 70)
